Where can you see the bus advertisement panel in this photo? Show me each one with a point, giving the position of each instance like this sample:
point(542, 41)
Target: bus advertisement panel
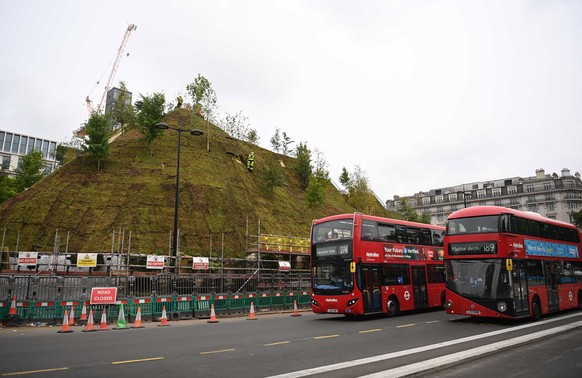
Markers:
point(506, 263)
point(363, 264)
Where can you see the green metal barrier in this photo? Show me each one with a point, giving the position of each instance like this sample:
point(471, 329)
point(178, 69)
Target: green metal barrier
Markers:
point(278, 300)
point(220, 302)
point(183, 308)
point(202, 306)
point(264, 301)
point(304, 299)
point(236, 305)
point(250, 298)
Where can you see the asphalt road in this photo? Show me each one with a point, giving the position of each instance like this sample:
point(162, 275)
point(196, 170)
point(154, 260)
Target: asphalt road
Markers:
point(275, 345)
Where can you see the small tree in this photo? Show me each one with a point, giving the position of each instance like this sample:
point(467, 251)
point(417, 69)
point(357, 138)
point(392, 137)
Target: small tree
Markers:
point(31, 170)
point(203, 95)
point(276, 141)
point(407, 211)
point(344, 179)
point(285, 143)
point(97, 144)
point(150, 113)
point(122, 112)
point(577, 218)
point(315, 192)
point(272, 176)
point(8, 187)
point(303, 167)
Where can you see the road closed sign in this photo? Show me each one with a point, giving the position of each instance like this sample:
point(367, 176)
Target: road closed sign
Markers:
point(103, 295)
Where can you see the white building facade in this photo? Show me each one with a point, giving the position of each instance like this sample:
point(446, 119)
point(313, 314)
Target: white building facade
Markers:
point(551, 195)
point(14, 146)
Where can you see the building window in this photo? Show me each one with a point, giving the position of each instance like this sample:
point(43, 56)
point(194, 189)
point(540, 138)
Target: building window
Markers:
point(512, 190)
point(480, 194)
point(529, 188)
point(514, 201)
point(550, 207)
point(5, 163)
point(569, 184)
point(549, 197)
point(497, 202)
point(19, 165)
point(482, 203)
point(438, 199)
point(496, 192)
point(7, 142)
point(45, 146)
point(453, 207)
point(440, 209)
point(31, 142)
point(452, 197)
point(23, 141)
point(547, 186)
point(573, 205)
point(411, 202)
point(532, 208)
point(440, 218)
point(426, 200)
point(531, 199)
point(15, 143)
point(52, 151)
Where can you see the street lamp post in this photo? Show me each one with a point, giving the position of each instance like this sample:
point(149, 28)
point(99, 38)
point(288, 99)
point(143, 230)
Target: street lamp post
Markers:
point(180, 130)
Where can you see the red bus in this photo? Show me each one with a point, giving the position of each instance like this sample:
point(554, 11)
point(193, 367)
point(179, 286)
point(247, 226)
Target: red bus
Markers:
point(506, 263)
point(363, 264)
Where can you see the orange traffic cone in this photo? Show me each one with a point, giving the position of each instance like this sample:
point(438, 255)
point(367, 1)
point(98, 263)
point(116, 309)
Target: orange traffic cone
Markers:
point(137, 323)
point(295, 310)
point(164, 321)
point(12, 310)
point(252, 315)
point(212, 315)
point(90, 324)
point(72, 316)
point(65, 328)
point(103, 324)
point(84, 313)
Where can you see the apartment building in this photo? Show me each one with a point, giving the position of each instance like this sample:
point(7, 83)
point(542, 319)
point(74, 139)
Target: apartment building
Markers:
point(551, 195)
point(14, 146)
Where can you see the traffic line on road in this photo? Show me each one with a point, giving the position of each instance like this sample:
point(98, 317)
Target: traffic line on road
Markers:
point(370, 330)
point(387, 356)
point(433, 321)
point(135, 361)
point(34, 371)
point(456, 358)
point(218, 351)
point(405, 325)
point(325, 337)
point(278, 343)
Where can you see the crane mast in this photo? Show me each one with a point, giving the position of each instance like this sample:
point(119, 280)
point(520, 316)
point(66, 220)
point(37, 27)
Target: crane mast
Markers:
point(130, 28)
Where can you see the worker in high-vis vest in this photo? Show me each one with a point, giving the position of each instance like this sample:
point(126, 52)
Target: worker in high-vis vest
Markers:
point(180, 101)
point(251, 161)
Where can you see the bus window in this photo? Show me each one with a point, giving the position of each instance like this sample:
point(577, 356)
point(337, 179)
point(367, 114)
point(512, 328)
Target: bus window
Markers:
point(369, 231)
point(387, 232)
point(396, 274)
point(412, 235)
point(438, 237)
point(435, 273)
point(425, 237)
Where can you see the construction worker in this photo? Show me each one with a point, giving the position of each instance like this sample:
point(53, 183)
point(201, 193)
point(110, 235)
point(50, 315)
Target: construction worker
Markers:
point(251, 161)
point(180, 101)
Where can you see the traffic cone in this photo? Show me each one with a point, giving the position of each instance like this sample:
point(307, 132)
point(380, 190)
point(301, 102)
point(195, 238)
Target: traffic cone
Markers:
point(295, 310)
point(90, 324)
point(83, 313)
point(103, 324)
point(72, 316)
point(137, 323)
point(212, 315)
point(121, 319)
point(65, 328)
point(252, 315)
point(12, 310)
point(164, 321)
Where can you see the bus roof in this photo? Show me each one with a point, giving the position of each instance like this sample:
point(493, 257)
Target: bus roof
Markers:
point(377, 219)
point(478, 211)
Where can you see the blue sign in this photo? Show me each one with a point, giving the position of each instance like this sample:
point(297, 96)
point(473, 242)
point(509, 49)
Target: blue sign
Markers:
point(548, 249)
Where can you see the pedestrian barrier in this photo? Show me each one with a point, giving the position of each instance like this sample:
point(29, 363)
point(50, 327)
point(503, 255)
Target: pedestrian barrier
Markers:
point(177, 307)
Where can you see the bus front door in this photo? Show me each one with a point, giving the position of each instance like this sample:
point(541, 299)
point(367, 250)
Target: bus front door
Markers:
point(419, 289)
point(552, 280)
point(519, 288)
point(370, 285)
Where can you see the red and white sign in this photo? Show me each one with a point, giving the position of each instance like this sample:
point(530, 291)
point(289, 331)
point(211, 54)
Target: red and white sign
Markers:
point(155, 262)
point(284, 266)
point(200, 263)
point(103, 295)
point(27, 258)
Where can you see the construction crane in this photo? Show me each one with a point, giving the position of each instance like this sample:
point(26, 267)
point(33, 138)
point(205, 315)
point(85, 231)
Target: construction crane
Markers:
point(130, 28)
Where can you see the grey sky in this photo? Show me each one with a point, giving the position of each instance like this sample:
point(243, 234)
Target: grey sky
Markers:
point(419, 94)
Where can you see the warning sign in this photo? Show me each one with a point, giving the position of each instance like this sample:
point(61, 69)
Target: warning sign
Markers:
point(103, 295)
point(87, 260)
point(27, 258)
point(155, 262)
point(200, 263)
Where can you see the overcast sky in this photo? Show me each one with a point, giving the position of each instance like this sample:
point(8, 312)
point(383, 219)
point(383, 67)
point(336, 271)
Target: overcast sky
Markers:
point(419, 94)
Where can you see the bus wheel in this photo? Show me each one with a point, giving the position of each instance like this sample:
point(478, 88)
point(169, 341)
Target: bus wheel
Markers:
point(443, 300)
point(536, 309)
point(392, 306)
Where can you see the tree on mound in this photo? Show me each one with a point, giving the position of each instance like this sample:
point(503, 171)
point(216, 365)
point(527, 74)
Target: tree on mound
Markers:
point(96, 143)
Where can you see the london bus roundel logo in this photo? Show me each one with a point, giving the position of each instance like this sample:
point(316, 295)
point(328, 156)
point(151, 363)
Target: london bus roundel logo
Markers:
point(406, 295)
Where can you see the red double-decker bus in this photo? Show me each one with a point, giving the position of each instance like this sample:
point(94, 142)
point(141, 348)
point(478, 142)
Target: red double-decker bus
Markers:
point(506, 263)
point(363, 264)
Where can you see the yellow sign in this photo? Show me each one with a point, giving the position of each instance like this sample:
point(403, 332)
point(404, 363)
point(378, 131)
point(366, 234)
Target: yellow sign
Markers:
point(509, 264)
point(87, 260)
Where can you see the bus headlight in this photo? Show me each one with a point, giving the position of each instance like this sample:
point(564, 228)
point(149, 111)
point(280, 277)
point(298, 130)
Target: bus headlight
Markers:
point(449, 303)
point(351, 302)
point(314, 303)
point(502, 306)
